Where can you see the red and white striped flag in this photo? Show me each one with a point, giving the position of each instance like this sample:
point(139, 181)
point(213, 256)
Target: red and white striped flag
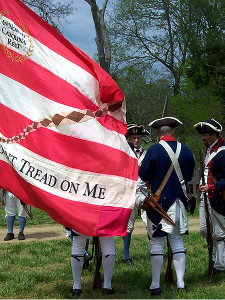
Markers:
point(62, 127)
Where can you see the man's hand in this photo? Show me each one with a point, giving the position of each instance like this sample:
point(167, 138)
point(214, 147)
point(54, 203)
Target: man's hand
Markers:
point(144, 205)
point(204, 188)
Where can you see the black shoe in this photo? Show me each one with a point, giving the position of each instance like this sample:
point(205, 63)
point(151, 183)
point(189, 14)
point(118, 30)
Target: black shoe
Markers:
point(21, 236)
point(128, 261)
point(108, 291)
point(206, 274)
point(184, 289)
point(87, 257)
point(10, 236)
point(215, 271)
point(76, 292)
point(155, 292)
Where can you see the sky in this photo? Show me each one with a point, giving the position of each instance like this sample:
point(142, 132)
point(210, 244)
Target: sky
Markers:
point(81, 31)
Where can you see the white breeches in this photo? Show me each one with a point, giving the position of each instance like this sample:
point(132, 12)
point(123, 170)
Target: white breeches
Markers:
point(217, 222)
point(175, 240)
point(11, 203)
point(217, 225)
point(79, 242)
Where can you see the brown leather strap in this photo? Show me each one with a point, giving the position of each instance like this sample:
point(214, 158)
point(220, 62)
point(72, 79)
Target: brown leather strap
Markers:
point(162, 185)
point(213, 178)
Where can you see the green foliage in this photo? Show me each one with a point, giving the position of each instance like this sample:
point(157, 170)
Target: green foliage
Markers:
point(206, 60)
point(192, 106)
point(163, 41)
point(144, 98)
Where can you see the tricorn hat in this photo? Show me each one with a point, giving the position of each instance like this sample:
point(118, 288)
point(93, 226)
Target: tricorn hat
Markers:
point(208, 126)
point(136, 130)
point(166, 121)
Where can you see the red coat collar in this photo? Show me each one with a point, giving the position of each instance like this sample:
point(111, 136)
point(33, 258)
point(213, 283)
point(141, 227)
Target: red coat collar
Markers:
point(168, 138)
point(217, 145)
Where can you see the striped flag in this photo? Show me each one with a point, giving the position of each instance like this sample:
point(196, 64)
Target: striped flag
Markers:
point(62, 127)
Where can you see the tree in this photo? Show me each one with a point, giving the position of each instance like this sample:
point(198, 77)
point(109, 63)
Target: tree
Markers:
point(156, 33)
point(192, 106)
point(102, 36)
point(51, 11)
point(206, 61)
point(145, 98)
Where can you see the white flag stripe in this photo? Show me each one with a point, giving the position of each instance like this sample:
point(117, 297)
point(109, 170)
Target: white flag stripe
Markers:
point(36, 107)
point(27, 102)
point(118, 193)
point(93, 131)
point(63, 68)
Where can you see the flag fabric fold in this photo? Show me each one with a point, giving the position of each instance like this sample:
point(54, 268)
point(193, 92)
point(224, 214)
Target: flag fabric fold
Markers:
point(62, 128)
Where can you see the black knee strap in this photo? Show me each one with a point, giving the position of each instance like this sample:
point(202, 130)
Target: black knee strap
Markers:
point(156, 254)
point(220, 240)
point(179, 252)
point(76, 256)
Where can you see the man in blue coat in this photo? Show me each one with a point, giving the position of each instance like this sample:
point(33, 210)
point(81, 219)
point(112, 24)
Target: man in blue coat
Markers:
point(214, 173)
point(167, 166)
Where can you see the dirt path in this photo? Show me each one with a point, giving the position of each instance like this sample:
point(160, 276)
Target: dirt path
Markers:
point(37, 233)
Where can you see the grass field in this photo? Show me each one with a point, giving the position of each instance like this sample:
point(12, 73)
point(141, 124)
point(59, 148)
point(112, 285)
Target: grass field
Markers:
point(41, 270)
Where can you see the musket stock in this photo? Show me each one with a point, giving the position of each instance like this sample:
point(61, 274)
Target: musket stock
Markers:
point(169, 271)
point(97, 283)
point(208, 225)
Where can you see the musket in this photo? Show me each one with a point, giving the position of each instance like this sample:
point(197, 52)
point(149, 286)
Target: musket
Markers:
point(26, 209)
point(165, 107)
point(97, 283)
point(169, 271)
point(207, 216)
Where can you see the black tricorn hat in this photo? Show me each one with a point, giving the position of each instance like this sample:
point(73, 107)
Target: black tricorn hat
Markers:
point(166, 121)
point(134, 129)
point(208, 126)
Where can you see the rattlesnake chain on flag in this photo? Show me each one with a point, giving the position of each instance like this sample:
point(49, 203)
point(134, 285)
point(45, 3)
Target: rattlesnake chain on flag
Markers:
point(62, 130)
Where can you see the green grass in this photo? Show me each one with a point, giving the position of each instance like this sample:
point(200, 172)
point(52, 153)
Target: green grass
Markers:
point(40, 218)
point(41, 270)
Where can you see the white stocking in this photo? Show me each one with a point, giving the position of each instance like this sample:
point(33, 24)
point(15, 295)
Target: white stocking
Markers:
point(108, 263)
point(77, 259)
point(108, 259)
point(179, 260)
point(77, 265)
point(156, 263)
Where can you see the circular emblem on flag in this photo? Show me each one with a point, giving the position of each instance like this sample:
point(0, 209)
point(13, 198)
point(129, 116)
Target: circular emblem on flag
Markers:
point(15, 40)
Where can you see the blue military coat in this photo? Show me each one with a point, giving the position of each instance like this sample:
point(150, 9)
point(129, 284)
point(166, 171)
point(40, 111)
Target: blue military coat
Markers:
point(217, 167)
point(154, 168)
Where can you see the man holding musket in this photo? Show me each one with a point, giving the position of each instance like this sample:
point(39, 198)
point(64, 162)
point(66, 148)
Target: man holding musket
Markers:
point(214, 175)
point(167, 166)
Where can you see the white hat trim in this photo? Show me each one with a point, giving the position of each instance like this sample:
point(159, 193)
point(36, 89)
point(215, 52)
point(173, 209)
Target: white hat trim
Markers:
point(210, 125)
point(150, 124)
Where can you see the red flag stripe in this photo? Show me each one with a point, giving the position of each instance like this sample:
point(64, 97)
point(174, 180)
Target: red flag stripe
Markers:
point(95, 218)
point(57, 152)
point(66, 182)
